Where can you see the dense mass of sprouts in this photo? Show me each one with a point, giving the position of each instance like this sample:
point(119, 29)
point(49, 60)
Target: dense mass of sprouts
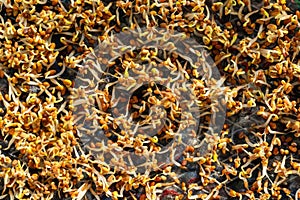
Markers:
point(46, 118)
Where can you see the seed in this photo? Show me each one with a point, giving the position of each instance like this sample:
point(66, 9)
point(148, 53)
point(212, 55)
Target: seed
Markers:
point(272, 27)
point(293, 149)
point(190, 149)
point(228, 25)
point(206, 40)
point(289, 139)
point(67, 82)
